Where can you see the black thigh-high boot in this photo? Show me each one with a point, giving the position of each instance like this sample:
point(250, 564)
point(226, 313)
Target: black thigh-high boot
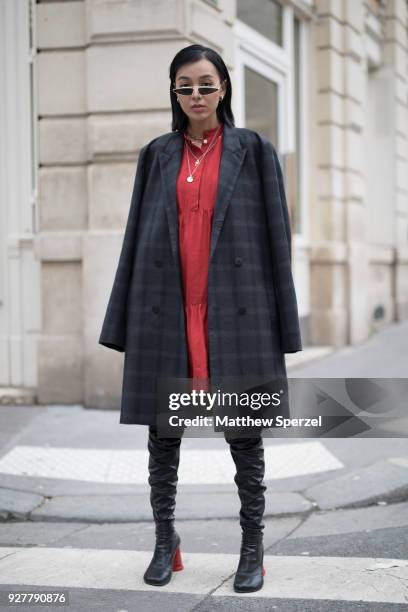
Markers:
point(164, 456)
point(248, 456)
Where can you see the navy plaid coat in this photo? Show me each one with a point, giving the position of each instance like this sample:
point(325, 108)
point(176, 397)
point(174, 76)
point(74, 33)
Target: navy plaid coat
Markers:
point(252, 308)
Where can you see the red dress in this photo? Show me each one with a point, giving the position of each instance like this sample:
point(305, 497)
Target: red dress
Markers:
point(196, 202)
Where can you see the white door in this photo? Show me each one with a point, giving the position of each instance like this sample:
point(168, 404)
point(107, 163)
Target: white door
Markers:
point(19, 270)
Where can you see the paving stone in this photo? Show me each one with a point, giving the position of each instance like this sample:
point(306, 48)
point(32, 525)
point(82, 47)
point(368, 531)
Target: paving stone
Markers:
point(352, 520)
point(29, 533)
point(386, 479)
point(17, 503)
point(217, 535)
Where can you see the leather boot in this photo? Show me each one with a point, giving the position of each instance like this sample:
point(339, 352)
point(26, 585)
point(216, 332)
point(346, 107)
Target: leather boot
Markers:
point(164, 456)
point(250, 572)
point(166, 557)
point(248, 456)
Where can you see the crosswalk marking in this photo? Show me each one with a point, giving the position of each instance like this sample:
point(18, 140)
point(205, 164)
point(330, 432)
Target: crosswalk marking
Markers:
point(333, 578)
point(204, 466)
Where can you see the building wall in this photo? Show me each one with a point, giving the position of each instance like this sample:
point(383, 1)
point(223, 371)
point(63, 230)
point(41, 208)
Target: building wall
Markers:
point(359, 213)
point(102, 83)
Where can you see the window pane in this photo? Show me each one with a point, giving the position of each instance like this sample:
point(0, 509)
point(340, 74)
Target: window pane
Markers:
point(264, 16)
point(297, 217)
point(261, 105)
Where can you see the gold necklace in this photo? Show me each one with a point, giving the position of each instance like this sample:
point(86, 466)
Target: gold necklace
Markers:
point(198, 137)
point(190, 177)
point(195, 137)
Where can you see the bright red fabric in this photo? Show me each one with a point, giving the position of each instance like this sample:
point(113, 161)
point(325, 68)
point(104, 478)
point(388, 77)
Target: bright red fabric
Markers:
point(196, 202)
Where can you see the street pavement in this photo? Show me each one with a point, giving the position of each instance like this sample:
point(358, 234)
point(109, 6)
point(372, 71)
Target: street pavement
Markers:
point(75, 514)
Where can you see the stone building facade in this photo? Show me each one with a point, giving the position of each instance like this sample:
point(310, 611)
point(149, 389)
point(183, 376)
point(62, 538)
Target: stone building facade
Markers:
point(84, 85)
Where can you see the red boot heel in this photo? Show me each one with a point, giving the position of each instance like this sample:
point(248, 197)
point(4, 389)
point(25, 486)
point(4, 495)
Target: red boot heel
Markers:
point(177, 561)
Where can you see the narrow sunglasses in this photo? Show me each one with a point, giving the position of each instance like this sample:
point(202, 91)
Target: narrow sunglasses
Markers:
point(203, 90)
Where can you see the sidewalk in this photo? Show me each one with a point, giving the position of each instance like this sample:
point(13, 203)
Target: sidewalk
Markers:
point(67, 463)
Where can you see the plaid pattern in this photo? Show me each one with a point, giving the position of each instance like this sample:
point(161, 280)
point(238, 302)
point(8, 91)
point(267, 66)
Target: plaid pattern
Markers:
point(252, 308)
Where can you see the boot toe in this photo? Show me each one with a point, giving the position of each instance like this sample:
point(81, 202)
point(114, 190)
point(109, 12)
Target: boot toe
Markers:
point(157, 579)
point(248, 584)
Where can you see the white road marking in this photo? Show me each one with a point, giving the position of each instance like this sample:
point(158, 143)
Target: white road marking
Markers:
point(334, 578)
point(206, 466)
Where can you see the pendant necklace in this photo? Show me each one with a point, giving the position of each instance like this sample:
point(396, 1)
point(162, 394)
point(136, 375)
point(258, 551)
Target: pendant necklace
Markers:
point(190, 178)
point(198, 160)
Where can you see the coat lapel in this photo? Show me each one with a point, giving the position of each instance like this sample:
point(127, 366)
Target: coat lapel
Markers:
point(232, 157)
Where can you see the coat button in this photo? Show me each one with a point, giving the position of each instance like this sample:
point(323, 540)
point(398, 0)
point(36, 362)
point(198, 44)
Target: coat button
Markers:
point(158, 263)
point(238, 261)
point(242, 310)
point(156, 309)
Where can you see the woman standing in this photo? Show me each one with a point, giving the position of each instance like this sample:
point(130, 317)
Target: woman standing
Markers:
point(203, 287)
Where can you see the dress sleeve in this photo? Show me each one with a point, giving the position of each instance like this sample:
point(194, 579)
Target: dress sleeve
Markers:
point(113, 333)
point(280, 243)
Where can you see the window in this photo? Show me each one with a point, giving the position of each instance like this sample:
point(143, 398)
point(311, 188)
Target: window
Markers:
point(33, 116)
point(261, 105)
point(264, 16)
point(297, 212)
point(272, 88)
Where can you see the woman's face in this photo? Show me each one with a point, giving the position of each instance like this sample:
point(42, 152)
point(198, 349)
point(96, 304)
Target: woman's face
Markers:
point(202, 72)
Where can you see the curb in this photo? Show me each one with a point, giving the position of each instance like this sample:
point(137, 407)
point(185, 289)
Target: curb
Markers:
point(42, 509)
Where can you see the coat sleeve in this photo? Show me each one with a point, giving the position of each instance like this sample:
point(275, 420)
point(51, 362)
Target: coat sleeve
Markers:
point(113, 333)
point(280, 242)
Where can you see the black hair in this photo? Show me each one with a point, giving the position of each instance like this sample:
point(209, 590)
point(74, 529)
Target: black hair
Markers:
point(189, 55)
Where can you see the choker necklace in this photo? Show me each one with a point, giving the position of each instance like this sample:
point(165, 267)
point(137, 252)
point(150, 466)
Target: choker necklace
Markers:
point(199, 137)
point(195, 137)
